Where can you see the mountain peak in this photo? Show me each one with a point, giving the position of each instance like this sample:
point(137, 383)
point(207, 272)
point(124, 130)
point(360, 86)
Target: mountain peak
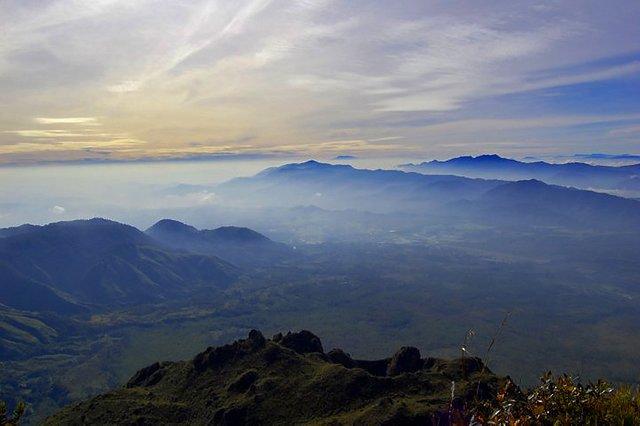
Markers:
point(238, 245)
point(468, 160)
point(313, 164)
point(485, 158)
point(307, 166)
point(522, 188)
point(170, 226)
point(490, 157)
point(236, 233)
point(104, 229)
point(95, 221)
point(528, 183)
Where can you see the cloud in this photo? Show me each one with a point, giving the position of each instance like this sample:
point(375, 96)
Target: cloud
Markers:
point(607, 156)
point(58, 210)
point(72, 134)
point(337, 146)
point(125, 86)
point(460, 61)
point(48, 133)
point(193, 199)
point(68, 120)
point(487, 124)
point(121, 145)
point(623, 131)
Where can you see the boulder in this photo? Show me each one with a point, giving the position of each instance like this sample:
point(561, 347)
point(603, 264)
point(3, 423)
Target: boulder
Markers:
point(150, 375)
point(406, 360)
point(218, 357)
point(338, 356)
point(302, 342)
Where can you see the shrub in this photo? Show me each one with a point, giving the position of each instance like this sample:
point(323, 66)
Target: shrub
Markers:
point(14, 419)
point(562, 401)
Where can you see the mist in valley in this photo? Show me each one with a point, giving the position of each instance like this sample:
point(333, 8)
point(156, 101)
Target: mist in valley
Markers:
point(369, 258)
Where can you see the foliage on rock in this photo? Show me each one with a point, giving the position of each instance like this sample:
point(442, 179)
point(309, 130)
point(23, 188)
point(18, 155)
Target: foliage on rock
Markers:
point(561, 401)
point(14, 419)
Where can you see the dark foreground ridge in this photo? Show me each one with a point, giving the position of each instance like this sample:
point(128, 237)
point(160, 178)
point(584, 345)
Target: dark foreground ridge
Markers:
point(289, 379)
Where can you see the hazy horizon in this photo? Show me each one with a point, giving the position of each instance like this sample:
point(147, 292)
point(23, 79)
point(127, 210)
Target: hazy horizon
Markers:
point(122, 190)
point(136, 192)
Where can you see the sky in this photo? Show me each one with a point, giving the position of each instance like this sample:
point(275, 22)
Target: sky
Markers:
point(190, 79)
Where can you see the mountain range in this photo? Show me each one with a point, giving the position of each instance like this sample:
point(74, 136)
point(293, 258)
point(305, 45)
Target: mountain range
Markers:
point(84, 265)
point(443, 198)
point(340, 187)
point(622, 180)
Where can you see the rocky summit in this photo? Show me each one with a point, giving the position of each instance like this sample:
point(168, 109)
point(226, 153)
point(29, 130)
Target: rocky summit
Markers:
point(289, 379)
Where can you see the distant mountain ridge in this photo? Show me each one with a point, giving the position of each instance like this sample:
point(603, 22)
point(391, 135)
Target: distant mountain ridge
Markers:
point(223, 233)
point(80, 265)
point(341, 187)
point(443, 198)
point(536, 203)
point(619, 180)
point(239, 245)
point(97, 262)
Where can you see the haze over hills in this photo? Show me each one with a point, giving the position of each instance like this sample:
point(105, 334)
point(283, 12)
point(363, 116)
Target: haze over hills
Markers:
point(340, 187)
point(378, 255)
point(438, 198)
point(97, 265)
point(622, 180)
point(532, 202)
point(98, 262)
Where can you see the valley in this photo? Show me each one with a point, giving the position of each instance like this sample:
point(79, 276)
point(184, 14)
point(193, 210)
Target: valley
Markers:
point(105, 299)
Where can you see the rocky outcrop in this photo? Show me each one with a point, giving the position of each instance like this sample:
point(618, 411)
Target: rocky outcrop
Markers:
point(218, 357)
point(338, 356)
point(302, 342)
point(289, 380)
point(150, 375)
point(406, 360)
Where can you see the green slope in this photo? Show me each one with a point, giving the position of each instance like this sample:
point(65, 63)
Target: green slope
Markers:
point(289, 380)
point(66, 267)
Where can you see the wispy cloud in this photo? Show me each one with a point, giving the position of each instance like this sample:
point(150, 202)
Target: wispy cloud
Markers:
point(295, 74)
point(92, 121)
point(193, 199)
point(622, 131)
point(480, 125)
point(119, 145)
point(72, 134)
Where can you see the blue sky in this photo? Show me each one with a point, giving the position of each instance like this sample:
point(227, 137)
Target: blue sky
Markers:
point(119, 80)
